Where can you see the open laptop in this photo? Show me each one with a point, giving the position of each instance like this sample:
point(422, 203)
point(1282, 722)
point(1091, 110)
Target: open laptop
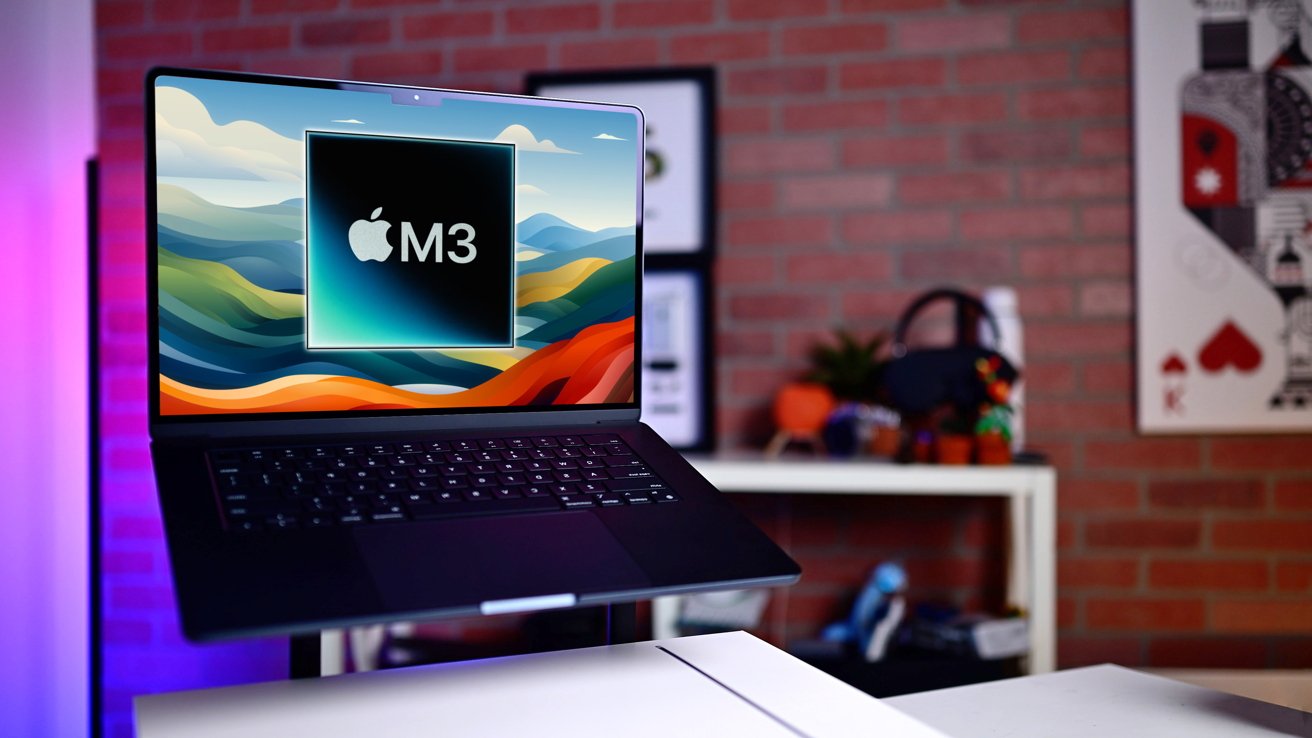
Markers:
point(394, 360)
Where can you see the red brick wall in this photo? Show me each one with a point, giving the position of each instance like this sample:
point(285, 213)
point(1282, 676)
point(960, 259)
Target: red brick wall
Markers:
point(869, 149)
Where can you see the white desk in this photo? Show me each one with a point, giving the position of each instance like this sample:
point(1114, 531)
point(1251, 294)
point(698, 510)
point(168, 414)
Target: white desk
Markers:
point(1097, 702)
point(727, 684)
point(1031, 493)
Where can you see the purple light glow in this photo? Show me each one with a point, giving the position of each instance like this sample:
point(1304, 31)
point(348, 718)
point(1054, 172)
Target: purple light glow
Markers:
point(47, 70)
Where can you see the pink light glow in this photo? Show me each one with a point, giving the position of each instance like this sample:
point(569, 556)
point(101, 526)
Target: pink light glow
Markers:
point(47, 70)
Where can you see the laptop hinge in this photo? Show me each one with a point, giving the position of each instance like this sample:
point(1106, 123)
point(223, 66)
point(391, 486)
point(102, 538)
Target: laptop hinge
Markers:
point(337, 426)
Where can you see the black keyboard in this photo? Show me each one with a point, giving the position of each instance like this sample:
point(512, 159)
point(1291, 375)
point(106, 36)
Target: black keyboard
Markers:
point(287, 487)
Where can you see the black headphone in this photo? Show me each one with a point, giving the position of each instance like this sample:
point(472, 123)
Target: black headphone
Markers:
point(963, 302)
point(918, 381)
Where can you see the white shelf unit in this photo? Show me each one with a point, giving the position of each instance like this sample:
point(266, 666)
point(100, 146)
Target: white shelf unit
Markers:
point(1030, 491)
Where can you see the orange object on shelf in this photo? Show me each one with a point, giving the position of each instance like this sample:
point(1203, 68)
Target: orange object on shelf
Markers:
point(953, 449)
point(801, 408)
point(992, 449)
point(886, 441)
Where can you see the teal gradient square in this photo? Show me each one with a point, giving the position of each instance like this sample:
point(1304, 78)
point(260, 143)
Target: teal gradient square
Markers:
point(409, 242)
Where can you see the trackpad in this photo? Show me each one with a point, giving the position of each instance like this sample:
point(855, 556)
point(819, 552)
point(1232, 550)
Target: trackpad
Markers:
point(464, 562)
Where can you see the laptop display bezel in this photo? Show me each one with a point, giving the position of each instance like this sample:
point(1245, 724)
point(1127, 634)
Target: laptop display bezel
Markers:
point(399, 418)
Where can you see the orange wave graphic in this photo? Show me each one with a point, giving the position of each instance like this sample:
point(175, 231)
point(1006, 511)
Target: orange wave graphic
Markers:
point(596, 363)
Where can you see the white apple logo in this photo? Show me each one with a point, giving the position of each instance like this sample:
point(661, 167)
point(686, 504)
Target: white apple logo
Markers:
point(368, 238)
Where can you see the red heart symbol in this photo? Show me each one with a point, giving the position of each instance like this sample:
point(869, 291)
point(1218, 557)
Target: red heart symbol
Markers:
point(1173, 365)
point(1230, 346)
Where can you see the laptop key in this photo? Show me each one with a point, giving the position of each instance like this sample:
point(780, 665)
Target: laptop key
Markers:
point(666, 496)
point(609, 500)
point(258, 509)
point(631, 472)
point(320, 504)
point(454, 482)
point(572, 502)
point(629, 485)
point(516, 505)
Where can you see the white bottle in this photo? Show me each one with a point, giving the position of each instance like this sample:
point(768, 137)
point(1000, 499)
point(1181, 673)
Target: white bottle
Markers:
point(1001, 301)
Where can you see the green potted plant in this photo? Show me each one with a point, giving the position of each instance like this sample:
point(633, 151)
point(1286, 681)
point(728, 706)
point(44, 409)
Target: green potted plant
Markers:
point(993, 436)
point(993, 429)
point(851, 368)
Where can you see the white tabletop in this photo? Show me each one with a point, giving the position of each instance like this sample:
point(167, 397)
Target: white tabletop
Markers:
point(1099, 702)
point(728, 684)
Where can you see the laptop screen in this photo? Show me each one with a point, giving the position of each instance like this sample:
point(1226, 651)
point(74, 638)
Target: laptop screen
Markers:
point(331, 247)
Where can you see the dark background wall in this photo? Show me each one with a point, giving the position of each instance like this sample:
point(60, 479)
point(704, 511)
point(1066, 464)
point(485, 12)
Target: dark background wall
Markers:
point(869, 149)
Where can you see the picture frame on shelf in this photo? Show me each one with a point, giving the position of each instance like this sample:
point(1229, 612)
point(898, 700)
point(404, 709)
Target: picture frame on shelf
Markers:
point(678, 398)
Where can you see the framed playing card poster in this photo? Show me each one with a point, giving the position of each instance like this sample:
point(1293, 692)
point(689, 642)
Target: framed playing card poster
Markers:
point(1223, 197)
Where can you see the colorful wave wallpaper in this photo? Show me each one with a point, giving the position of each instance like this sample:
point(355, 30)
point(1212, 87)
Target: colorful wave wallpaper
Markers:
point(231, 263)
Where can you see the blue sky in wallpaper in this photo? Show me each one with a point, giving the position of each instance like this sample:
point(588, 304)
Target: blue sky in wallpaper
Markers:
point(571, 163)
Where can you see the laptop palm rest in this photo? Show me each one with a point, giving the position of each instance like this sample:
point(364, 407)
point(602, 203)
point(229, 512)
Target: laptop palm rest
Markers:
point(455, 562)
